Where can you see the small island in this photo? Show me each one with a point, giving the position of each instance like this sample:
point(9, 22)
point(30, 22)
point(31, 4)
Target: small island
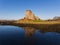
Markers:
point(32, 20)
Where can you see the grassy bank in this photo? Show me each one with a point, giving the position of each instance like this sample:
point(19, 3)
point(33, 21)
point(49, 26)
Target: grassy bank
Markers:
point(41, 22)
point(53, 26)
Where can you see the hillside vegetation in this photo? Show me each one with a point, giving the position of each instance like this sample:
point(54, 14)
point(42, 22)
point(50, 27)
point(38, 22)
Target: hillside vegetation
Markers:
point(27, 21)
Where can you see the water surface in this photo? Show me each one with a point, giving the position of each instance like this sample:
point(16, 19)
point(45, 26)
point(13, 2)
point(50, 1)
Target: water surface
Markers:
point(14, 35)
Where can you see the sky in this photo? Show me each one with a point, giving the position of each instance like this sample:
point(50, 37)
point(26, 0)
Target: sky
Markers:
point(15, 9)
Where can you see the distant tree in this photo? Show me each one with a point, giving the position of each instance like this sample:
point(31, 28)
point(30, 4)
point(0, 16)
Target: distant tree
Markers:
point(56, 18)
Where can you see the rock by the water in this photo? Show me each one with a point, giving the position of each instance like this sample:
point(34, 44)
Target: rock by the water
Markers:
point(30, 15)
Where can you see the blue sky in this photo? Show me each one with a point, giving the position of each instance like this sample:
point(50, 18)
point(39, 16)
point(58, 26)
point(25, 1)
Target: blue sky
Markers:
point(14, 9)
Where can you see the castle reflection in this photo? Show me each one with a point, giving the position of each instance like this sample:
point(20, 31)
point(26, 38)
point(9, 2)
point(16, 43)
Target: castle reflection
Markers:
point(29, 31)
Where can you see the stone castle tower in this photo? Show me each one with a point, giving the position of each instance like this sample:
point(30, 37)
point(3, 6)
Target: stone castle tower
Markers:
point(30, 15)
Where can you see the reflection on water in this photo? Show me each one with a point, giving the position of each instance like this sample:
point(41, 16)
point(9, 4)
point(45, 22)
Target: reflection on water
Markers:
point(13, 35)
point(29, 31)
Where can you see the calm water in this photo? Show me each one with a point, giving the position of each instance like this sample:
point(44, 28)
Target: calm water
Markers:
point(13, 35)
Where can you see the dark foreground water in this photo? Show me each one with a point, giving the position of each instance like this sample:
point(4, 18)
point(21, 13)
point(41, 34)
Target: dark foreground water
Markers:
point(13, 35)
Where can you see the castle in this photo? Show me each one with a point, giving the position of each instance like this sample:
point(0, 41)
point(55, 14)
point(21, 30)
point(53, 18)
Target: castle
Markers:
point(30, 15)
